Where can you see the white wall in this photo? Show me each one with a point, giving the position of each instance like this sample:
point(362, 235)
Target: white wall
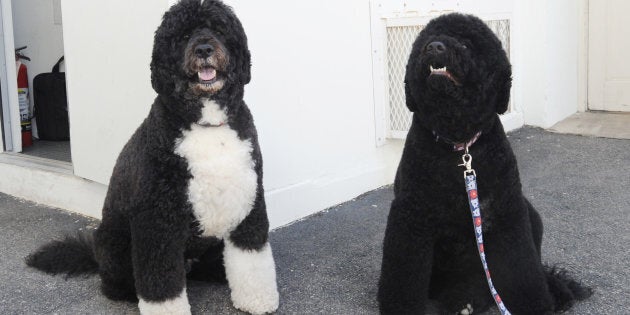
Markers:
point(311, 94)
point(34, 25)
point(311, 91)
point(548, 42)
point(311, 85)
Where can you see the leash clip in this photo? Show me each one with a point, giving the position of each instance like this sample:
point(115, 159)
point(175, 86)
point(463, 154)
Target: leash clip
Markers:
point(467, 163)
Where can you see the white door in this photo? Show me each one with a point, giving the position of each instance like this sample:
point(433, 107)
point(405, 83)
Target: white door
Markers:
point(608, 55)
point(11, 129)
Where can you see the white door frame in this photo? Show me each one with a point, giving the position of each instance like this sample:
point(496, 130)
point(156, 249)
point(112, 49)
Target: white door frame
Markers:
point(9, 81)
point(583, 55)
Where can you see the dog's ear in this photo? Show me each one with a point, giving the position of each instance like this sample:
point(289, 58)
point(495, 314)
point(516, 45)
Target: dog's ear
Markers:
point(411, 77)
point(411, 104)
point(243, 56)
point(235, 38)
point(165, 57)
point(503, 83)
point(161, 80)
point(239, 43)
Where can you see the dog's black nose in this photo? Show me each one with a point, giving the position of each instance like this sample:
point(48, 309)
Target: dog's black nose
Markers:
point(435, 47)
point(203, 50)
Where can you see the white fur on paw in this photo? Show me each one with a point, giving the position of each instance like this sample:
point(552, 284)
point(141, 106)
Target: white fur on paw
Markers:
point(467, 311)
point(175, 306)
point(251, 275)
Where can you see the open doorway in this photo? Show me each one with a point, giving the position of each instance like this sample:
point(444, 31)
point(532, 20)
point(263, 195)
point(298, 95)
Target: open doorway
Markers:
point(43, 117)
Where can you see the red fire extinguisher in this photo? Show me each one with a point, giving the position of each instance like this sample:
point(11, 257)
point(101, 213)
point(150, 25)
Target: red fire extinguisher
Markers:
point(22, 82)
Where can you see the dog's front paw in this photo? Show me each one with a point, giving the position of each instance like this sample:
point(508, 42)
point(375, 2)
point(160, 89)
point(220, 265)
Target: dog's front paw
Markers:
point(251, 276)
point(175, 306)
point(260, 302)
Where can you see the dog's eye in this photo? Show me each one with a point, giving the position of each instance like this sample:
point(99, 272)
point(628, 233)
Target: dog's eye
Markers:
point(464, 47)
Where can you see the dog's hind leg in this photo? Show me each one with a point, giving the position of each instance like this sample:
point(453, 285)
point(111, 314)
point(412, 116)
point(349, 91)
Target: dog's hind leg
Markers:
point(514, 263)
point(158, 246)
point(249, 264)
point(407, 261)
point(537, 226)
point(113, 252)
point(209, 266)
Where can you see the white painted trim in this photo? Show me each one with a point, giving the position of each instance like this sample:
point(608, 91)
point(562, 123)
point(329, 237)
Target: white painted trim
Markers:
point(408, 21)
point(379, 72)
point(398, 134)
point(6, 121)
point(596, 51)
point(11, 85)
point(583, 55)
point(50, 183)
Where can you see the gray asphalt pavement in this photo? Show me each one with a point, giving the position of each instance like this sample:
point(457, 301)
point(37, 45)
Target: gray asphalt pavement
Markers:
point(329, 263)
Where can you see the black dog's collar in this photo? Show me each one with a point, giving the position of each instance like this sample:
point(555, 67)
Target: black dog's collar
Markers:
point(458, 146)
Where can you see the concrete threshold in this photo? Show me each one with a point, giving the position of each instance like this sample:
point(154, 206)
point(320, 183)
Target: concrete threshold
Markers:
point(51, 183)
point(614, 125)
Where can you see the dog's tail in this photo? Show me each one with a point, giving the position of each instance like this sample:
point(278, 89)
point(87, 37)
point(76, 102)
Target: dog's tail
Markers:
point(564, 289)
point(72, 256)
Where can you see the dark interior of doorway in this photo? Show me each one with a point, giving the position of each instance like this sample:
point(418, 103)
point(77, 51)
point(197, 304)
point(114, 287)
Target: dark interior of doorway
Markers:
point(39, 28)
point(53, 150)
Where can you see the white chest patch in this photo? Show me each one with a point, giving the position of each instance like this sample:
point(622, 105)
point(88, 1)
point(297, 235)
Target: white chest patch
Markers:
point(224, 183)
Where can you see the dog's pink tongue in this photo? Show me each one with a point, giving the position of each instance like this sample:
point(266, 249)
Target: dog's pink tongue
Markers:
point(207, 74)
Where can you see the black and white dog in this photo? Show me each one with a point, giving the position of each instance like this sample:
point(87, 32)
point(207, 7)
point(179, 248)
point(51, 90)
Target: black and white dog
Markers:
point(186, 195)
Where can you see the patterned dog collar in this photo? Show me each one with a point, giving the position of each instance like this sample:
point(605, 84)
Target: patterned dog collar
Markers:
point(458, 146)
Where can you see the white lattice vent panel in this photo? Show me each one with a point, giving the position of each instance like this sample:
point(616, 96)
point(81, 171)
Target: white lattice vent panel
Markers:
point(399, 42)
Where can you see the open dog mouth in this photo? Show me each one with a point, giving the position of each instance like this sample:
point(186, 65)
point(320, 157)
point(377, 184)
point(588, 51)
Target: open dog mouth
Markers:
point(443, 71)
point(208, 79)
point(207, 75)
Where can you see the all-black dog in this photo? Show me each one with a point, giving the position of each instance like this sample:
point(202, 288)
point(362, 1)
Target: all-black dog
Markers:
point(186, 194)
point(458, 79)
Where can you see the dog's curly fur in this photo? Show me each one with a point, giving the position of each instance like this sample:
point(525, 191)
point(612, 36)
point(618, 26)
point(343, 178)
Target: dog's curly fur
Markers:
point(186, 194)
point(429, 246)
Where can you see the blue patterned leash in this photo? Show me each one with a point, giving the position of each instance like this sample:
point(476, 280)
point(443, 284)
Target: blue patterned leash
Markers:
point(473, 199)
